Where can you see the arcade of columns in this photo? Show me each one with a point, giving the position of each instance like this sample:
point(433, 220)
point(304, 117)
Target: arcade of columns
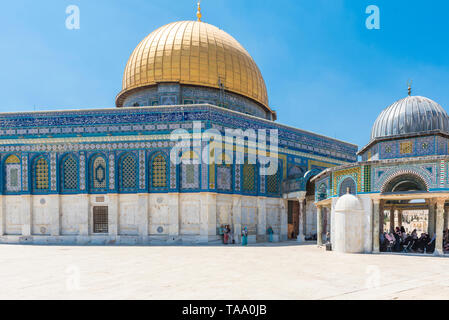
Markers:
point(438, 215)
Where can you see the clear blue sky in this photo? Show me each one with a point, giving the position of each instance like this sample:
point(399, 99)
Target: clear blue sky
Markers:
point(325, 72)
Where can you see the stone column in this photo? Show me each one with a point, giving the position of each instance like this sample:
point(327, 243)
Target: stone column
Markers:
point(439, 227)
point(399, 217)
point(446, 218)
point(431, 220)
point(301, 237)
point(392, 218)
point(304, 217)
point(283, 207)
point(376, 225)
point(381, 216)
point(319, 228)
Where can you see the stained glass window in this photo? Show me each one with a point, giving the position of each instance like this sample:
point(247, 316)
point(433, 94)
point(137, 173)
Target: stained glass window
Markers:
point(12, 166)
point(70, 173)
point(159, 174)
point(41, 174)
point(128, 173)
point(249, 177)
point(98, 174)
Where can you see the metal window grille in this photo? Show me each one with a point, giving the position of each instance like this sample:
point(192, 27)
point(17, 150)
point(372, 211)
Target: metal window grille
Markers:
point(70, 174)
point(100, 220)
point(159, 177)
point(41, 174)
point(128, 173)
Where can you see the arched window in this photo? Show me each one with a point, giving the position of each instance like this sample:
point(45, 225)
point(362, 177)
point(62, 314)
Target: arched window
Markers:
point(41, 174)
point(12, 174)
point(128, 173)
point(97, 178)
point(322, 192)
point(347, 186)
point(249, 178)
point(159, 172)
point(69, 176)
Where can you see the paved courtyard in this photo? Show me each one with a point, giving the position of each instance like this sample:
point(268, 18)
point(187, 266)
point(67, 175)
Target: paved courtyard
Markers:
point(286, 271)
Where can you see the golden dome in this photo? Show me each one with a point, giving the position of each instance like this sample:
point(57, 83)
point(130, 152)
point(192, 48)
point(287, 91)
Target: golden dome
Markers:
point(194, 53)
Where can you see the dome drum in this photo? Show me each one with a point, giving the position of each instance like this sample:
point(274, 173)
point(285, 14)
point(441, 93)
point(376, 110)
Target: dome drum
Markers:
point(164, 94)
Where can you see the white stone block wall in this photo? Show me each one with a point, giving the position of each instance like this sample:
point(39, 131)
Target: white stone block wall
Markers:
point(138, 218)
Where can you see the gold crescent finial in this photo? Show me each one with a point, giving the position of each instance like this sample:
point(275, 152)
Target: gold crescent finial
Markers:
point(198, 13)
point(410, 87)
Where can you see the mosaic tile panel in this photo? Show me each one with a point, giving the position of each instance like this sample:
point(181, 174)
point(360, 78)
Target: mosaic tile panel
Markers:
point(98, 178)
point(82, 160)
point(339, 176)
point(173, 175)
point(142, 165)
point(224, 176)
point(262, 182)
point(237, 169)
point(53, 171)
point(111, 171)
point(428, 172)
point(24, 172)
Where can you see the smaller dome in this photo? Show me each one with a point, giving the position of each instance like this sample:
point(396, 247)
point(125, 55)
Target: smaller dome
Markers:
point(347, 203)
point(413, 114)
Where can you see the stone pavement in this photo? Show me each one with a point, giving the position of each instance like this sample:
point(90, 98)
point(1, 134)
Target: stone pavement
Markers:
point(282, 271)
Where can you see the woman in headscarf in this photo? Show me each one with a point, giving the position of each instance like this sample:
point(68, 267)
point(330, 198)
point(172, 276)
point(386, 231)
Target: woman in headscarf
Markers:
point(226, 235)
point(245, 236)
point(270, 234)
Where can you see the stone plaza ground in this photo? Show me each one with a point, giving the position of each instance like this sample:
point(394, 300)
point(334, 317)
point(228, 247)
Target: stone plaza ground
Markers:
point(263, 271)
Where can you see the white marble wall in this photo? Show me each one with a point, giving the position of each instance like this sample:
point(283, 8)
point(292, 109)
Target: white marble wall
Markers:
point(139, 218)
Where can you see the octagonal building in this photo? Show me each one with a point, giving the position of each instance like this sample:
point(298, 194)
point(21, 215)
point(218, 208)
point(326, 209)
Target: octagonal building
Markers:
point(112, 176)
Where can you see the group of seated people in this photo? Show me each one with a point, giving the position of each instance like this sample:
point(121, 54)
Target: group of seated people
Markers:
point(401, 241)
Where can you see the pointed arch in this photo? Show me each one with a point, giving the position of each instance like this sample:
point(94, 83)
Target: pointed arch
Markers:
point(12, 174)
